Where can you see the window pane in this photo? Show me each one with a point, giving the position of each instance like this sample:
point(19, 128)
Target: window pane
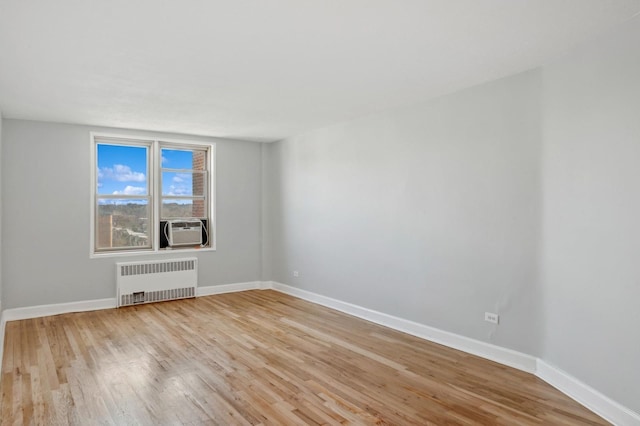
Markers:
point(183, 184)
point(184, 159)
point(122, 170)
point(183, 208)
point(122, 223)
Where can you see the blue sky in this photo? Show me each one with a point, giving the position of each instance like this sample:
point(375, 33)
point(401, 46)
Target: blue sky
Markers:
point(123, 170)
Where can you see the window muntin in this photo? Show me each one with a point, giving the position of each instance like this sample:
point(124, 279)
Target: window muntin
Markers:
point(140, 184)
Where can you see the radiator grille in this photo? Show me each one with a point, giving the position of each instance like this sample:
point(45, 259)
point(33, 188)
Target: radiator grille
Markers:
point(157, 268)
point(156, 296)
point(155, 281)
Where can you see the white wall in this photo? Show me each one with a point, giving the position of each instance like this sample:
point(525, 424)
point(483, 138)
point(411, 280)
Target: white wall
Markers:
point(591, 215)
point(46, 195)
point(429, 213)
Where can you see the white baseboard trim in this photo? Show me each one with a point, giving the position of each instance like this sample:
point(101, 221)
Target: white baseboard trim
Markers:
point(29, 312)
point(228, 288)
point(489, 351)
point(567, 384)
point(15, 314)
point(2, 321)
point(600, 404)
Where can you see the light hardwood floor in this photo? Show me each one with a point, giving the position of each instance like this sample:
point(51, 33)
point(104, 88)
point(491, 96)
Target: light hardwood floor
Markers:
point(256, 357)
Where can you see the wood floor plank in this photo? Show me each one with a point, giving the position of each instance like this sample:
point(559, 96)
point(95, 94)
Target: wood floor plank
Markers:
point(256, 358)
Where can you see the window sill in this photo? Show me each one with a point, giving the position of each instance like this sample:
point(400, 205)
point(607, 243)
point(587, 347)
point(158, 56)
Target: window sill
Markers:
point(163, 251)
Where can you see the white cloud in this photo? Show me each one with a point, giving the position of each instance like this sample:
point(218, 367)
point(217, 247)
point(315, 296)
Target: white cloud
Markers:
point(177, 190)
point(165, 160)
point(120, 173)
point(182, 177)
point(131, 190)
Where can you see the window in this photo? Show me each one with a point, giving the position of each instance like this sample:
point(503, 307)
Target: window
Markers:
point(143, 189)
point(184, 183)
point(123, 197)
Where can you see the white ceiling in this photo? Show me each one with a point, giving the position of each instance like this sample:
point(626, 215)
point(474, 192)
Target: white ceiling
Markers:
point(265, 70)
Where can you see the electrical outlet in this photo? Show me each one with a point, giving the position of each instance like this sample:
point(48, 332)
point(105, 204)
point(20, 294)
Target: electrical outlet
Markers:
point(490, 317)
point(295, 273)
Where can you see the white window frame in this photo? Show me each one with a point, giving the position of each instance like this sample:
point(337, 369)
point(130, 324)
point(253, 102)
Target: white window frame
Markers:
point(154, 180)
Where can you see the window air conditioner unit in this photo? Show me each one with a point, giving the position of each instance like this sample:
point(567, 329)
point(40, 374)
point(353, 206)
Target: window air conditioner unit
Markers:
point(184, 232)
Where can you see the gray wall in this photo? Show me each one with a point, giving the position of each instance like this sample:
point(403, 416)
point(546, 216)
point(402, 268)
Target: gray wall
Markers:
point(45, 178)
point(429, 213)
point(591, 215)
point(265, 196)
point(521, 196)
point(1, 237)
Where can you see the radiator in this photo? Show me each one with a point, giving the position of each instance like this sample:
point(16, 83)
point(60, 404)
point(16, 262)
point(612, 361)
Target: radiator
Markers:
point(154, 281)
